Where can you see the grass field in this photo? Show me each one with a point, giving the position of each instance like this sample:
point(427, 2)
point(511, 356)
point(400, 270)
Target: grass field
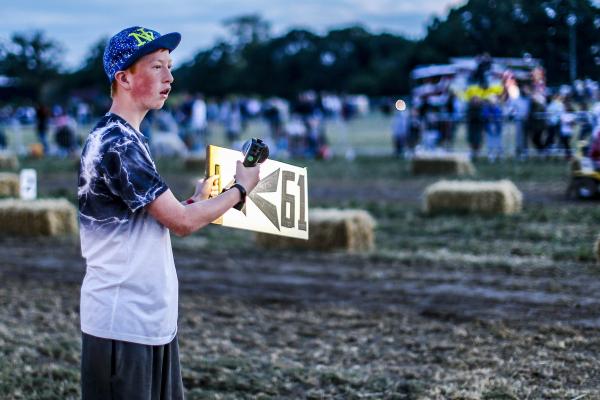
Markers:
point(446, 307)
point(547, 227)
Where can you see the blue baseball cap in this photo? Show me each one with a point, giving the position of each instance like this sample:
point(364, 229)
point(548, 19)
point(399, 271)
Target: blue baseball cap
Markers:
point(131, 44)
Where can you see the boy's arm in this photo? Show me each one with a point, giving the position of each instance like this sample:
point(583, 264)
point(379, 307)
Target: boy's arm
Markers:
point(186, 219)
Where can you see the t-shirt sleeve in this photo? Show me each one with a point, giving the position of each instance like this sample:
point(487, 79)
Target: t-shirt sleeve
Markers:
point(130, 174)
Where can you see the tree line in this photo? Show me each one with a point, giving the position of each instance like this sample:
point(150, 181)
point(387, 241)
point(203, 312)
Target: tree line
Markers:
point(250, 60)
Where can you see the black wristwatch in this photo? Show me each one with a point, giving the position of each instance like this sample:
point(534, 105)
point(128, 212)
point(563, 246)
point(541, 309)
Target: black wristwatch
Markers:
point(243, 193)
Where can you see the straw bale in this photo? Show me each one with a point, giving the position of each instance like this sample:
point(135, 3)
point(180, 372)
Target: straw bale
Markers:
point(495, 197)
point(8, 161)
point(446, 164)
point(47, 217)
point(329, 229)
point(195, 163)
point(9, 184)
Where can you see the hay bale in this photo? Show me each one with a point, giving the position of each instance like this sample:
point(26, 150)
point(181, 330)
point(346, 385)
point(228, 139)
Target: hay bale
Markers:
point(329, 229)
point(48, 217)
point(444, 164)
point(496, 197)
point(8, 161)
point(9, 184)
point(195, 163)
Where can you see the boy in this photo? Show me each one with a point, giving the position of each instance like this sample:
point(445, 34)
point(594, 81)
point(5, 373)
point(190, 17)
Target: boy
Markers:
point(129, 296)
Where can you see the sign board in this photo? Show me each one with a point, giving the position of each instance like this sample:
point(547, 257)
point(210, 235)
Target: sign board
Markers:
point(278, 204)
point(28, 184)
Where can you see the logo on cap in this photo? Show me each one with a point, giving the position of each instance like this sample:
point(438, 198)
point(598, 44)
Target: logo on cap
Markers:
point(142, 36)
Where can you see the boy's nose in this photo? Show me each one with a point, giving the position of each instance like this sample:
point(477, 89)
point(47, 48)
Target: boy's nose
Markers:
point(170, 77)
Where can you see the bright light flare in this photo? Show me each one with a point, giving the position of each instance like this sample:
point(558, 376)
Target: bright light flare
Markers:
point(400, 105)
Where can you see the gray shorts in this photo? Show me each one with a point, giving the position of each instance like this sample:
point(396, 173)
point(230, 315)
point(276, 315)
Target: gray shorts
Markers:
point(116, 370)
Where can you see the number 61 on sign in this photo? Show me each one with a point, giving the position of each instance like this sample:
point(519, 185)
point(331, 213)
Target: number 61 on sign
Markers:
point(277, 205)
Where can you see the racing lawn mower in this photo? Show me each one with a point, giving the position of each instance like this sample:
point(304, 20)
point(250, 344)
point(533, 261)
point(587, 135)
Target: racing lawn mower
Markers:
point(585, 179)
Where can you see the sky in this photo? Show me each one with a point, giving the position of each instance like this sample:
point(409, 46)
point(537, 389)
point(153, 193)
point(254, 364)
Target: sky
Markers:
point(77, 24)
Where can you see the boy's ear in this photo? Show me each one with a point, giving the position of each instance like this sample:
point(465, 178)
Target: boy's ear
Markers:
point(122, 79)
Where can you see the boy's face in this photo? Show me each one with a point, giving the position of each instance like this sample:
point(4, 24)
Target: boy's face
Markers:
point(151, 81)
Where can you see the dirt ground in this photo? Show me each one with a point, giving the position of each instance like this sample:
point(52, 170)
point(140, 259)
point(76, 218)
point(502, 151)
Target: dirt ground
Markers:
point(386, 325)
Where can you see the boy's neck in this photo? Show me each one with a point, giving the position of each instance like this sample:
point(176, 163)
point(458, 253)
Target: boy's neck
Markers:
point(128, 111)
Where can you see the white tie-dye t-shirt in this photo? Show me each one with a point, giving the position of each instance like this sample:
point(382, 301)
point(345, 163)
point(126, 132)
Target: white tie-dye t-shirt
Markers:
point(130, 289)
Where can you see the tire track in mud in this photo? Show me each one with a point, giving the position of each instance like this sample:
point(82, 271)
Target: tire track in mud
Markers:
point(433, 289)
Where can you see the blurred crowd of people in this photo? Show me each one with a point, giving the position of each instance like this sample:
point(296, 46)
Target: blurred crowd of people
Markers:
point(295, 128)
point(185, 126)
point(544, 124)
point(59, 123)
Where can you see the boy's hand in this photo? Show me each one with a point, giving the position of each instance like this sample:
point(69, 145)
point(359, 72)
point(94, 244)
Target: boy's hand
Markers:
point(206, 188)
point(247, 176)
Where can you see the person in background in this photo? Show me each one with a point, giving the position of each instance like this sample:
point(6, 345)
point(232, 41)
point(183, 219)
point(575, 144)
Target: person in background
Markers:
point(414, 132)
point(198, 123)
point(554, 113)
point(400, 131)
point(492, 115)
point(519, 110)
point(536, 122)
point(231, 116)
point(567, 125)
point(475, 125)
point(594, 149)
point(447, 122)
point(585, 119)
point(42, 115)
point(65, 134)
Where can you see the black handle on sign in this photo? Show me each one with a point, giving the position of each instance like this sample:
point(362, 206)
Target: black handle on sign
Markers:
point(255, 152)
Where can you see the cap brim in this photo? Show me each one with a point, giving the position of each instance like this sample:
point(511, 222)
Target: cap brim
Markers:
point(170, 41)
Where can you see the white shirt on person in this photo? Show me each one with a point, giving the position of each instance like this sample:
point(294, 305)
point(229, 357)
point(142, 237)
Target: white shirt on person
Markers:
point(130, 289)
point(198, 119)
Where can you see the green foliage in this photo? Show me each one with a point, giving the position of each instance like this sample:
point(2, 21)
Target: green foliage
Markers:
point(89, 80)
point(345, 60)
point(32, 59)
point(348, 60)
point(514, 28)
point(354, 60)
